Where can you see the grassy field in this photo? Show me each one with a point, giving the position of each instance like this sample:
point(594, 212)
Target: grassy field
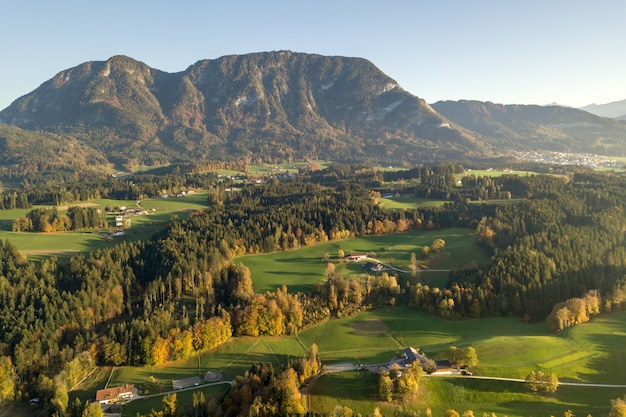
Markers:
point(270, 271)
point(264, 170)
point(38, 245)
point(506, 347)
point(184, 401)
point(407, 201)
point(491, 173)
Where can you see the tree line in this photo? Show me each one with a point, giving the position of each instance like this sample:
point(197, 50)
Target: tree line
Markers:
point(50, 220)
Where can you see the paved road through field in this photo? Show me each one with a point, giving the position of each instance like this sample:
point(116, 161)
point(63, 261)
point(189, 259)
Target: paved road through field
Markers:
point(495, 378)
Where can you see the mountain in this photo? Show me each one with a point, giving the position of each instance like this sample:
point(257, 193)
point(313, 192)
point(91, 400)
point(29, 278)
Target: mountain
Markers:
point(615, 109)
point(25, 151)
point(530, 127)
point(266, 106)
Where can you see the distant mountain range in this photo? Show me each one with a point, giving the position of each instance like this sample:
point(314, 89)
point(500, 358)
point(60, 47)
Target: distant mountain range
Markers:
point(615, 109)
point(272, 106)
point(531, 127)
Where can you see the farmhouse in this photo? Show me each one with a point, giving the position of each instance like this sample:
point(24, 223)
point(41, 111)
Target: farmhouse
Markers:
point(356, 257)
point(411, 355)
point(374, 266)
point(109, 395)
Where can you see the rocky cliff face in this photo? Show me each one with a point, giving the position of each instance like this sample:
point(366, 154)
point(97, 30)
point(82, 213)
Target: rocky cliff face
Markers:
point(267, 106)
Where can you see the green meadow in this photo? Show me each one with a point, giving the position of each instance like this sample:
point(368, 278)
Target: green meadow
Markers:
point(39, 245)
point(267, 170)
point(184, 400)
point(408, 201)
point(506, 347)
point(492, 173)
point(301, 268)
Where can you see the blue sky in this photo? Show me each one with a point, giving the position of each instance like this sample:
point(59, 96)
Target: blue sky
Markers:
point(572, 52)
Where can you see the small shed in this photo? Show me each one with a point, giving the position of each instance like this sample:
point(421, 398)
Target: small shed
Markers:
point(186, 382)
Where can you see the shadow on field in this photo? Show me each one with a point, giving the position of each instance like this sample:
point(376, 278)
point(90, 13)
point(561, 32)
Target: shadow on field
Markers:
point(351, 385)
point(607, 368)
point(6, 225)
point(300, 260)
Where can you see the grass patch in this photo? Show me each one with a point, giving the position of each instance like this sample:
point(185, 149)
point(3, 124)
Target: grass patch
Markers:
point(407, 202)
point(506, 347)
point(86, 390)
point(39, 245)
point(341, 340)
point(356, 389)
point(184, 401)
point(491, 173)
point(273, 270)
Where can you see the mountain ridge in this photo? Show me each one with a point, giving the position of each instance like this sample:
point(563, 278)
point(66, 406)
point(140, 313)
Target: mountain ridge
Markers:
point(532, 127)
point(238, 105)
point(278, 106)
point(614, 109)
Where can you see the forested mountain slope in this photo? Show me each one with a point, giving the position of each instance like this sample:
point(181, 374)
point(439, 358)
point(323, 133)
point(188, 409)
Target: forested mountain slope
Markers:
point(530, 127)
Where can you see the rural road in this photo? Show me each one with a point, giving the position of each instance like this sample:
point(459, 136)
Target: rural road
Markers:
point(195, 387)
point(495, 378)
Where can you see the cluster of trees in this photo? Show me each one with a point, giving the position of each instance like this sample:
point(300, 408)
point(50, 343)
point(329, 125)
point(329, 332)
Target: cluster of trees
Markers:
point(579, 310)
point(538, 381)
point(563, 241)
point(69, 190)
point(574, 311)
point(14, 199)
point(265, 391)
point(50, 220)
point(270, 314)
point(399, 384)
point(465, 357)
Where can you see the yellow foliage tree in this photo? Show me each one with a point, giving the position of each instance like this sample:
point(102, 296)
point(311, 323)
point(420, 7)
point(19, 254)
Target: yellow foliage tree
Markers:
point(160, 351)
point(7, 380)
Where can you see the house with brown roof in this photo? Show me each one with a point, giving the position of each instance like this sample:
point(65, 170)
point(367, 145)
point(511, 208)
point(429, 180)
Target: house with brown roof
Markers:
point(356, 257)
point(109, 395)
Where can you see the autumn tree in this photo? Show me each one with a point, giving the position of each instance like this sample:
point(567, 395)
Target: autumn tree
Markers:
point(463, 357)
point(538, 381)
point(385, 386)
point(291, 403)
point(413, 265)
point(7, 380)
point(437, 245)
point(618, 407)
point(93, 410)
point(169, 405)
point(160, 351)
point(199, 404)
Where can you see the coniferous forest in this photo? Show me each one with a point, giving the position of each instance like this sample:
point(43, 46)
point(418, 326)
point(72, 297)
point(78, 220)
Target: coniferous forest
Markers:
point(556, 246)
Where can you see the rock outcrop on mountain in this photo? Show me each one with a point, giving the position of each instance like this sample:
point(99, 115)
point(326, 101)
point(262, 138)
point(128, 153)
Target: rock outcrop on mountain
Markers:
point(265, 106)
